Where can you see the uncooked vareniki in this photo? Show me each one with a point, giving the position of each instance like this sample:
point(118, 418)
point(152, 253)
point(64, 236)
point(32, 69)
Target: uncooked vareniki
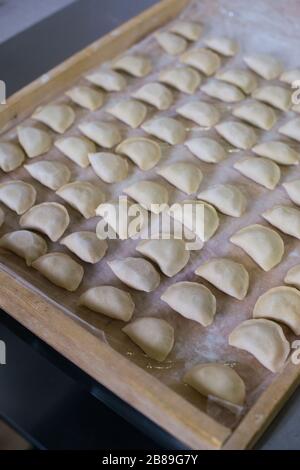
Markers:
point(262, 244)
point(227, 198)
point(243, 79)
point(166, 129)
point(261, 170)
point(85, 245)
point(187, 29)
point(129, 111)
point(293, 276)
point(183, 79)
point(206, 149)
point(227, 275)
point(82, 196)
point(145, 153)
point(223, 45)
point(50, 218)
point(109, 80)
point(223, 91)
point(149, 194)
point(276, 96)
point(77, 149)
point(34, 141)
point(291, 129)
point(137, 273)
point(104, 134)
point(264, 339)
point(28, 245)
point(293, 190)
point(202, 59)
point(192, 300)
point(171, 43)
point(17, 195)
point(155, 94)
point(279, 152)
point(290, 76)
point(11, 156)
point(51, 174)
point(256, 113)
point(237, 134)
point(109, 167)
point(86, 97)
point(59, 117)
point(153, 335)
point(285, 218)
point(184, 176)
point(110, 301)
point(135, 65)
point(264, 65)
point(203, 114)
point(60, 269)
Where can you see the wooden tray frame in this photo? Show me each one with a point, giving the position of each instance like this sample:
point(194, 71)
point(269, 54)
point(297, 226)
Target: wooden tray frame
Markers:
point(142, 391)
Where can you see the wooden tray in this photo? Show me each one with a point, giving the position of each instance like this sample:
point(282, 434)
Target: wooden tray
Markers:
point(135, 386)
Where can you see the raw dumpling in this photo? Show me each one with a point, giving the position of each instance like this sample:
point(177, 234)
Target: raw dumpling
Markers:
point(296, 108)
point(192, 300)
point(34, 141)
point(110, 301)
point(290, 76)
point(227, 198)
point(291, 129)
point(11, 156)
point(202, 59)
point(293, 190)
point(23, 243)
point(279, 152)
point(217, 380)
point(86, 97)
point(223, 91)
point(77, 149)
point(104, 134)
point(187, 29)
point(153, 335)
point(108, 80)
point(50, 218)
point(261, 170)
point(276, 96)
point(262, 244)
point(207, 150)
point(17, 195)
point(203, 114)
point(109, 167)
point(264, 339)
point(226, 275)
point(225, 46)
point(264, 65)
point(285, 218)
point(258, 114)
point(167, 129)
point(171, 43)
point(155, 94)
point(137, 273)
point(151, 195)
point(241, 78)
point(135, 65)
point(85, 245)
point(281, 304)
point(60, 269)
point(184, 176)
point(237, 134)
point(59, 117)
point(145, 153)
point(131, 112)
point(51, 174)
point(170, 255)
point(293, 276)
point(184, 79)
point(84, 196)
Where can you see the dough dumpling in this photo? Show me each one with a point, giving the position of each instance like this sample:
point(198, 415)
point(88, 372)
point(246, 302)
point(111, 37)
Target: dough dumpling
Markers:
point(285, 218)
point(109, 80)
point(85, 245)
point(237, 134)
point(217, 380)
point(110, 301)
point(109, 167)
point(203, 114)
point(129, 111)
point(135, 65)
point(60, 269)
point(145, 153)
point(17, 195)
point(149, 194)
point(279, 152)
point(137, 273)
point(171, 43)
point(290, 76)
point(166, 129)
point(202, 59)
point(50, 218)
point(227, 198)
point(276, 96)
point(226, 275)
point(34, 141)
point(281, 304)
point(261, 170)
point(11, 156)
point(76, 149)
point(23, 243)
point(184, 176)
point(192, 300)
point(264, 339)
point(291, 129)
point(243, 79)
point(170, 255)
point(223, 45)
point(206, 149)
point(258, 114)
point(83, 196)
point(105, 134)
point(187, 29)
point(51, 174)
point(293, 190)
point(293, 276)
point(153, 335)
point(223, 91)
point(86, 97)
point(183, 79)
point(262, 244)
point(264, 65)
point(59, 117)
point(155, 94)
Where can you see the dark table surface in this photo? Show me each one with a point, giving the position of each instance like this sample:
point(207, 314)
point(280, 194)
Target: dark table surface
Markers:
point(44, 396)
